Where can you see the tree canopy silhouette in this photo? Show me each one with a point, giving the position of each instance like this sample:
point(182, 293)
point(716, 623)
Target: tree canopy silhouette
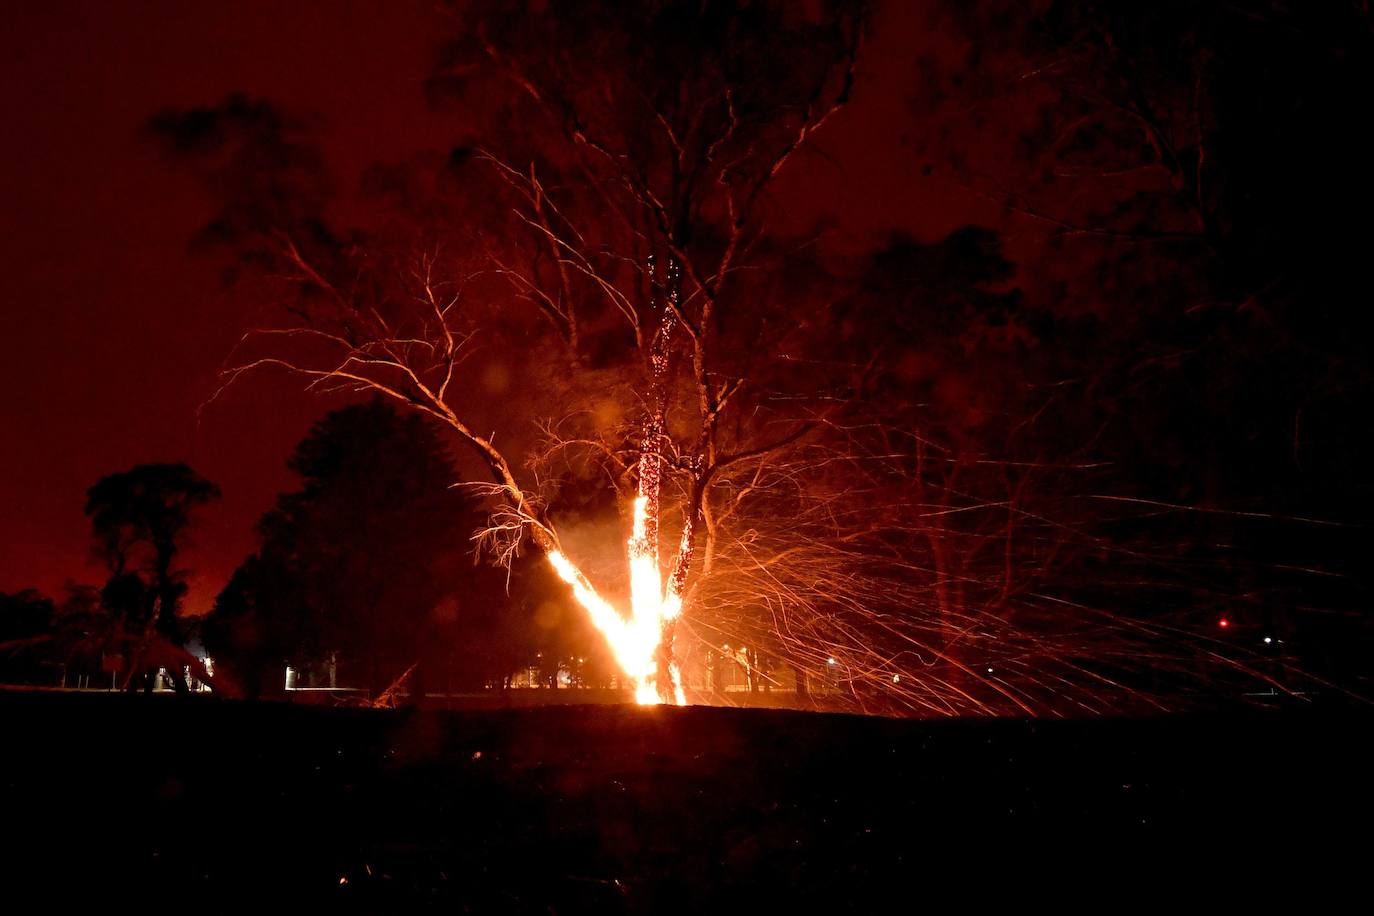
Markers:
point(139, 519)
point(371, 563)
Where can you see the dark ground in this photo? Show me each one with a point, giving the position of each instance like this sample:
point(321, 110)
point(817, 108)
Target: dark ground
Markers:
point(202, 806)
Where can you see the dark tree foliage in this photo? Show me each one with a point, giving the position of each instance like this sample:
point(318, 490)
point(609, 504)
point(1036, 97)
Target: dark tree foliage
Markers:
point(684, 102)
point(1201, 192)
point(139, 519)
point(1197, 184)
point(72, 641)
point(371, 562)
point(26, 620)
point(270, 176)
point(256, 628)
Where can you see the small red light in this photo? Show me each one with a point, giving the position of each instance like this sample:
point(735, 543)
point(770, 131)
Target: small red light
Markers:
point(1223, 623)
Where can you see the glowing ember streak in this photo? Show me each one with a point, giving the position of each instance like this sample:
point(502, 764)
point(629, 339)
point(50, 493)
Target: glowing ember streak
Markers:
point(634, 642)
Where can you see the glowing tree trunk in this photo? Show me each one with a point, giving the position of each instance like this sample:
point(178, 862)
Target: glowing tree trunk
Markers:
point(643, 644)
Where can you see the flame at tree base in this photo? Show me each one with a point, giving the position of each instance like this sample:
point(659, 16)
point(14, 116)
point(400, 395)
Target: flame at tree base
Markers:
point(635, 642)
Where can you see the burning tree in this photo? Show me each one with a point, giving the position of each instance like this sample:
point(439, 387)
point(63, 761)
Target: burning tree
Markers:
point(598, 262)
point(626, 225)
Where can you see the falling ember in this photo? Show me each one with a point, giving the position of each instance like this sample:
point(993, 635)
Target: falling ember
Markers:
point(634, 642)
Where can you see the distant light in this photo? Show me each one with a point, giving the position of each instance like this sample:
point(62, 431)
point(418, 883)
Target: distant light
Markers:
point(1223, 623)
point(726, 646)
point(830, 661)
point(1267, 640)
point(896, 678)
point(989, 671)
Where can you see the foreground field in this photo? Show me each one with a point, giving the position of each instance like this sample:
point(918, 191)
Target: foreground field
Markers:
point(206, 805)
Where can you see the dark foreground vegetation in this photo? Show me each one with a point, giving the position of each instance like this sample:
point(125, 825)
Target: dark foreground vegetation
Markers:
point(205, 806)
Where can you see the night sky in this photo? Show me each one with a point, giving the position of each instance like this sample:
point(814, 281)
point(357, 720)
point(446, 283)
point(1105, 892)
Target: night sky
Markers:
point(117, 330)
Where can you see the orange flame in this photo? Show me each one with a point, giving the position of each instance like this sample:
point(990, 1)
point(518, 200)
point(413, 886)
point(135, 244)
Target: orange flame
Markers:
point(634, 642)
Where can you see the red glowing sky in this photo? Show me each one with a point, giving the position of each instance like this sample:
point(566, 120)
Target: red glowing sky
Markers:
point(114, 332)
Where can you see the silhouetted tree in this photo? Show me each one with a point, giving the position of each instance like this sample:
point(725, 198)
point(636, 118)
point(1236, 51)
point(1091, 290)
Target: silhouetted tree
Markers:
point(1190, 194)
point(26, 623)
point(257, 627)
point(371, 560)
point(139, 519)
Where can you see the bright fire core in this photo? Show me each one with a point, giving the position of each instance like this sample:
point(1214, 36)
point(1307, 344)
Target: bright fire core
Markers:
point(634, 642)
